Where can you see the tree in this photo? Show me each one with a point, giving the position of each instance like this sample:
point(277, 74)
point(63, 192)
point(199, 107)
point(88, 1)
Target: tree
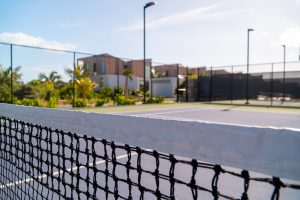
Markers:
point(128, 73)
point(5, 82)
point(53, 77)
point(83, 85)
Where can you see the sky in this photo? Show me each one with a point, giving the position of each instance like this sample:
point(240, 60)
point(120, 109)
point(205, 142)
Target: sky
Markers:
point(191, 32)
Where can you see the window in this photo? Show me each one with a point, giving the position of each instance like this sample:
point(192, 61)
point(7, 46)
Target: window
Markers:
point(103, 68)
point(94, 67)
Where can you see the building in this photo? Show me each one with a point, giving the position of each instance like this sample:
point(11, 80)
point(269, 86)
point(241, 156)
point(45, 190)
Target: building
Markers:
point(107, 71)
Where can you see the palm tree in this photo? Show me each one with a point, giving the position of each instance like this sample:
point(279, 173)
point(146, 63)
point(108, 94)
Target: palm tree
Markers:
point(51, 79)
point(128, 73)
point(84, 86)
point(80, 72)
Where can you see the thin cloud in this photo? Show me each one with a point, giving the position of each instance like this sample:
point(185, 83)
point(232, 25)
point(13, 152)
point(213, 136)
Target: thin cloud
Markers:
point(173, 19)
point(24, 39)
point(184, 17)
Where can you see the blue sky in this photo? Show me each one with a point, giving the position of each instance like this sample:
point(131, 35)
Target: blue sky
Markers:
point(191, 32)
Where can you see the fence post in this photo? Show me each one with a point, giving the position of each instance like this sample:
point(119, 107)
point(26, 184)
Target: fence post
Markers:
point(151, 80)
point(198, 84)
point(231, 85)
point(118, 82)
point(74, 67)
point(11, 74)
point(272, 85)
point(177, 90)
point(187, 85)
point(210, 84)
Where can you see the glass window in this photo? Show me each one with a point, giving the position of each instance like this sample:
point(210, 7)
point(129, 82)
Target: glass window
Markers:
point(103, 68)
point(94, 67)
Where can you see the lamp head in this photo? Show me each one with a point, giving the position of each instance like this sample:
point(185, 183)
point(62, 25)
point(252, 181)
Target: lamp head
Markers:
point(250, 29)
point(152, 3)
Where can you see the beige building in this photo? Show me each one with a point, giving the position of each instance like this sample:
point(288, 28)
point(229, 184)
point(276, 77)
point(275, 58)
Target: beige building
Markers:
point(107, 70)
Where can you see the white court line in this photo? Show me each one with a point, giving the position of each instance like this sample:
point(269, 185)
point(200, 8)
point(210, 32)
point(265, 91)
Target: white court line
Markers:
point(58, 172)
point(137, 111)
point(153, 116)
point(168, 112)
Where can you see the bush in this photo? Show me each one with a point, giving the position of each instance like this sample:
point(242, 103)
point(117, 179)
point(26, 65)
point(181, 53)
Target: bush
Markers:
point(106, 92)
point(119, 90)
point(101, 102)
point(52, 103)
point(30, 102)
point(122, 100)
point(66, 92)
point(79, 102)
point(155, 100)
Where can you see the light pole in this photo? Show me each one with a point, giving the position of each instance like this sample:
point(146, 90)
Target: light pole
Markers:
point(145, 7)
point(247, 83)
point(284, 47)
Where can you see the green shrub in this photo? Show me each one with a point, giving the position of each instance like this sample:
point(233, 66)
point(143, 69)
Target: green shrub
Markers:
point(155, 100)
point(101, 102)
point(137, 92)
point(66, 92)
point(30, 102)
point(106, 92)
point(52, 103)
point(79, 102)
point(119, 90)
point(147, 93)
point(122, 100)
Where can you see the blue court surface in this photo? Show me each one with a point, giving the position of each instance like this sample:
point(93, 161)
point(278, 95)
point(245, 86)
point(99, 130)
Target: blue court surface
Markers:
point(227, 115)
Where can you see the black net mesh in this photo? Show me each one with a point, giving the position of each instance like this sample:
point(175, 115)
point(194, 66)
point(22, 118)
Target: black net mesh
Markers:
point(41, 163)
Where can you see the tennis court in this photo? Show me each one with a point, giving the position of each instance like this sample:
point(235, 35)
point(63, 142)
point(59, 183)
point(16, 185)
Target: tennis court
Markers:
point(39, 162)
point(228, 115)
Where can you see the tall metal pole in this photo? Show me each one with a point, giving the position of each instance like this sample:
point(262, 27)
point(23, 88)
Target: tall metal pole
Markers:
point(272, 85)
point(198, 84)
point(177, 90)
point(283, 73)
point(74, 68)
point(247, 83)
point(11, 74)
point(210, 84)
point(144, 99)
point(144, 13)
point(151, 88)
point(231, 85)
point(187, 85)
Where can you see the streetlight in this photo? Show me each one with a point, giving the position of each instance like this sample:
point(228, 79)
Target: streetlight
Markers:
point(146, 6)
point(247, 83)
point(283, 72)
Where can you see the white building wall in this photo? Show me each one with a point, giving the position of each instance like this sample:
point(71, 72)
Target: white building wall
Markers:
point(164, 87)
point(112, 81)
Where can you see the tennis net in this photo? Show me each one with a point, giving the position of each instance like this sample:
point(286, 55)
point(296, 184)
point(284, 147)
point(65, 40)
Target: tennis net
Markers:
point(38, 162)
